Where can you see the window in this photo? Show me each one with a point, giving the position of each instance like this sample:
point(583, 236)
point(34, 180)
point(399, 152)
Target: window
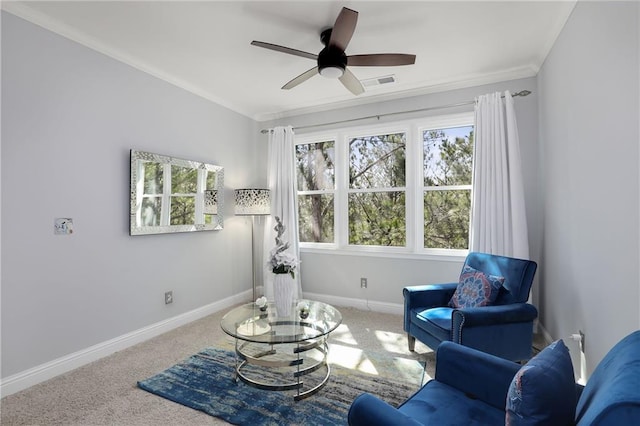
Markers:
point(447, 158)
point(402, 188)
point(316, 188)
point(377, 169)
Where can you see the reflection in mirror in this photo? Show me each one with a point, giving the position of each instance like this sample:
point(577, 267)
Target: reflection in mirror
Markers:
point(174, 195)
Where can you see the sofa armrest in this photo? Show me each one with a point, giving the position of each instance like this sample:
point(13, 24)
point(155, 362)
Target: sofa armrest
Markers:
point(493, 315)
point(367, 410)
point(477, 374)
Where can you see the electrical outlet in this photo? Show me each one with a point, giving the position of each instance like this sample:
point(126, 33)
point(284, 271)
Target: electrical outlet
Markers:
point(363, 283)
point(168, 297)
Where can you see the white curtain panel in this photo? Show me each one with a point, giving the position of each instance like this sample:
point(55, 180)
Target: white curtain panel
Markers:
point(283, 186)
point(499, 221)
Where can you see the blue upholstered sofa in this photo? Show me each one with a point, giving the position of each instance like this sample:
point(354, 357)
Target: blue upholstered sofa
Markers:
point(472, 388)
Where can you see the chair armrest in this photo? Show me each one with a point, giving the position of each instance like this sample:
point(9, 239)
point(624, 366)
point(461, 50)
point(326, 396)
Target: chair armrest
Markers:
point(425, 297)
point(367, 410)
point(477, 374)
point(428, 296)
point(493, 315)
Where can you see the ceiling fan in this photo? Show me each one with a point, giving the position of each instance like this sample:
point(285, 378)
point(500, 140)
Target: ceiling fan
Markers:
point(332, 60)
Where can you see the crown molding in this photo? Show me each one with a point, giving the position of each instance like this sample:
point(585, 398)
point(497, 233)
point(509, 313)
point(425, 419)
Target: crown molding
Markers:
point(554, 33)
point(22, 10)
point(471, 80)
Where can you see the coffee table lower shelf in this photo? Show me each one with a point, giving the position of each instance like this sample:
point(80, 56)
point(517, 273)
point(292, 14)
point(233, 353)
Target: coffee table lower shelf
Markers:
point(272, 359)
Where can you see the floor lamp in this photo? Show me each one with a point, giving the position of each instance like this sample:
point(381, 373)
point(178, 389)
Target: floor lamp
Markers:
point(254, 203)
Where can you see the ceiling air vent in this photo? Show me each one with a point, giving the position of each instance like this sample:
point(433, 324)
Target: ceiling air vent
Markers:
point(378, 81)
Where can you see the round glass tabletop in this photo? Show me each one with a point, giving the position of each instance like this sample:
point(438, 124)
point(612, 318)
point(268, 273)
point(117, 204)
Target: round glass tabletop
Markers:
point(249, 322)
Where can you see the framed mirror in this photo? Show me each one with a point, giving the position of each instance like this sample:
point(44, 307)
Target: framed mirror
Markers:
point(174, 195)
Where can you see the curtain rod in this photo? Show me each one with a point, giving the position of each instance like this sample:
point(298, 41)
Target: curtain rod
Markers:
point(520, 93)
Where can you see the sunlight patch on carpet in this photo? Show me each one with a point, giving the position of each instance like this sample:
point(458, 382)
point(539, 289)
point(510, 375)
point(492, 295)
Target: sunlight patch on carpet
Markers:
point(392, 342)
point(351, 358)
point(343, 334)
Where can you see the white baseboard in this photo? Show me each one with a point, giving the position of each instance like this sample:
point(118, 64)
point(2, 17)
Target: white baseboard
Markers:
point(40, 373)
point(365, 305)
point(547, 337)
point(33, 376)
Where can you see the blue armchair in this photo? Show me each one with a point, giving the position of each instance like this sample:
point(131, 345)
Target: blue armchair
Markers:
point(475, 388)
point(504, 329)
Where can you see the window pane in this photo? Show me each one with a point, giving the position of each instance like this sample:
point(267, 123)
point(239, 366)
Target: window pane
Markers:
point(152, 178)
point(316, 218)
point(315, 166)
point(183, 210)
point(211, 180)
point(377, 218)
point(184, 180)
point(446, 219)
point(377, 161)
point(448, 155)
point(150, 214)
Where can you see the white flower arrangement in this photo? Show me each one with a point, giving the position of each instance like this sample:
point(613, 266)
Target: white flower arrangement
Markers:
point(261, 302)
point(282, 262)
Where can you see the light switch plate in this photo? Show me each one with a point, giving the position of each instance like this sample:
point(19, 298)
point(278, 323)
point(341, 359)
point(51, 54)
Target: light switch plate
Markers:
point(63, 226)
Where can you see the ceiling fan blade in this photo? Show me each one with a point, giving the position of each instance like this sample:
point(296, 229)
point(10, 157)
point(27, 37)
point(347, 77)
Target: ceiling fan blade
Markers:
point(301, 78)
point(283, 49)
point(381, 60)
point(343, 28)
point(351, 82)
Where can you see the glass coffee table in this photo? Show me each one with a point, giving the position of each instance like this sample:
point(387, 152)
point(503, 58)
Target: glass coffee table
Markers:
point(274, 353)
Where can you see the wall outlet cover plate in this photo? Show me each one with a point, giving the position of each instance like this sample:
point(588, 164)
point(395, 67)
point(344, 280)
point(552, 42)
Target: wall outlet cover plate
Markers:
point(63, 226)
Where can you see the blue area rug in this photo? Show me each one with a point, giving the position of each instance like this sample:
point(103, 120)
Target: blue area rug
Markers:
point(205, 382)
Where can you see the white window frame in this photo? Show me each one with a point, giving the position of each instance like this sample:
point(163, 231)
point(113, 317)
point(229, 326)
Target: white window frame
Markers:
point(438, 122)
point(317, 139)
point(414, 187)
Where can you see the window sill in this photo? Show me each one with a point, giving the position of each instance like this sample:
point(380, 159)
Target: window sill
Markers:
point(389, 253)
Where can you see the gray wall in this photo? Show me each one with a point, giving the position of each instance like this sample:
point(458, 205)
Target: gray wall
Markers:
point(69, 118)
point(589, 148)
point(339, 274)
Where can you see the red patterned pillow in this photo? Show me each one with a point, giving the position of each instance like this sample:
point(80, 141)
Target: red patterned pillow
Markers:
point(475, 288)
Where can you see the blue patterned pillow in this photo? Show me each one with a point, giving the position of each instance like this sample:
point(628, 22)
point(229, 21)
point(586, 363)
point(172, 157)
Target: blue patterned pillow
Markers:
point(543, 391)
point(475, 288)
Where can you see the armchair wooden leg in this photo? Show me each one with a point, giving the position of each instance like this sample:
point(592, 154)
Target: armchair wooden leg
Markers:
point(412, 342)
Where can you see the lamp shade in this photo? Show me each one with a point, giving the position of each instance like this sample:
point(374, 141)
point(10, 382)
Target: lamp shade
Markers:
point(210, 201)
point(253, 202)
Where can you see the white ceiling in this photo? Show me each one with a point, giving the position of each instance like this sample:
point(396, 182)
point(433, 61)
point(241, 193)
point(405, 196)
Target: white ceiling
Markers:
point(204, 46)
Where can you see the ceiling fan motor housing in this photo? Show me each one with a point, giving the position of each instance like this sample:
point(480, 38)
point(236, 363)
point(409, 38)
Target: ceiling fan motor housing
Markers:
point(331, 58)
point(332, 61)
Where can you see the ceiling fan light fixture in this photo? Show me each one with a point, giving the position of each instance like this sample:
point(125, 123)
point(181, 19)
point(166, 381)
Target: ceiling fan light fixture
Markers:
point(332, 72)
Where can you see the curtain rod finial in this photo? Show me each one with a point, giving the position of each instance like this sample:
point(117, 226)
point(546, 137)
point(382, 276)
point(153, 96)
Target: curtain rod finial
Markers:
point(522, 93)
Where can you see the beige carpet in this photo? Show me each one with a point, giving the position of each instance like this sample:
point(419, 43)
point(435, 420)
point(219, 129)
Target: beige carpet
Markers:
point(105, 392)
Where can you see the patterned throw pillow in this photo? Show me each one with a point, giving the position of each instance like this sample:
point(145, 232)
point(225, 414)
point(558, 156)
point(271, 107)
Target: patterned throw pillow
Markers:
point(543, 391)
point(475, 288)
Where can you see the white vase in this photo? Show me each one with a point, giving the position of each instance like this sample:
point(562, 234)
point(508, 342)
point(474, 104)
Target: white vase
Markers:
point(283, 293)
